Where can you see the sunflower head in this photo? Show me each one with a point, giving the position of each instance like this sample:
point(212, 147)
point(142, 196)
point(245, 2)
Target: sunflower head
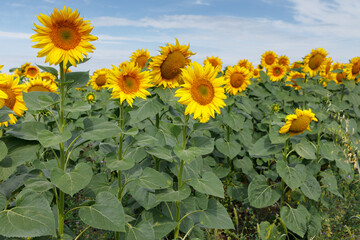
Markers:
point(99, 79)
point(292, 79)
point(166, 68)
point(237, 79)
point(64, 37)
point(275, 108)
point(353, 69)
point(315, 61)
point(299, 122)
point(268, 58)
point(339, 77)
point(31, 71)
point(215, 62)
point(284, 61)
point(38, 85)
point(90, 97)
point(46, 76)
point(276, 72)
point(246, 64)
point(202, 92)
point(140, 57)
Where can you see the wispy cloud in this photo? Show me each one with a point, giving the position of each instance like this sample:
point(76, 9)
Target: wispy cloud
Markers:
point(201, 2)
point(17, 35)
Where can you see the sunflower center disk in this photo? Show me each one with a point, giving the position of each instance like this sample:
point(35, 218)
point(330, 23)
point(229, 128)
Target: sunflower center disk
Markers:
point(141, 61)
point(11, 100)
point(171, 67)
point(300, 124)
point(340, 77)
point(32, 72)
point(100, 80)
point(277, 71)
point(202, 92)
point(237, 79)
point(38, 89)
point(213, 63)
point(315, 61)
point(129, 84)
point(356, 68)
point(65, 36)
point(269, 60)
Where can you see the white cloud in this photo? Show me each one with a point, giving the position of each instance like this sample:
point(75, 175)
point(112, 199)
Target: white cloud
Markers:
point(201, 2)
point(17, 35)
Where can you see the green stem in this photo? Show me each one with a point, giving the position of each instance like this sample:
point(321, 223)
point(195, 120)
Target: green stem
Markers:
point(81, 233)
point(157, 120)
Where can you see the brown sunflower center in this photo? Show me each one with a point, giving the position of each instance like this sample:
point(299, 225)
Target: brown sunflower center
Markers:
point(315, 61)
point(32, 72)
point(256, 72)
point(171, 67)
point(340, 77)
point(65, 35)
point(269, 59)
point(300, 124)
point(141, 61)
point(11, 100)
point(129, 84)
point(101, 80)
point(45, 78)
point(283, 62)
point(202, 92)
point(213, 62)
point(38, 88)
point(356, 68)
point(237, 79)
point(277, 71)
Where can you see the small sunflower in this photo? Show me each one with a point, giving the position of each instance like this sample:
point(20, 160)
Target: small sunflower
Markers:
point(268, 59)
point(276, 72)
point(315, 61)
point(296, 65)
point(39, 85)
point(246, 64)
point(65, 37)
point(275, 108)
point(140, 57)
point(166, 68)
point(237, 79)
point(46, 76)
point(353, 68)
point(256, 73)
point(99, 79)
point(339, 77)
point(202, 92)
point(31, 71)
point(284, 61)
point(293, 77)
point(215, 62)
point(129, 82)
point(298, 123)
point(90, 97)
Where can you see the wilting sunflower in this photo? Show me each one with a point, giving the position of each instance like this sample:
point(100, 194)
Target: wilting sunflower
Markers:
point(39, 85)
point(268, 59)
point(31, 71)
point(293, 77)
point(202, 92)
point(353, 68)
point(276, 72)
point(99, 79)
point(129, 82)
point(298, 123)
point(140, 57)
point(46, 76)
point(215, 62)
point(315, 61)
point(166, 68)
point(65, 37)
point(9, 84)
point(237, 79)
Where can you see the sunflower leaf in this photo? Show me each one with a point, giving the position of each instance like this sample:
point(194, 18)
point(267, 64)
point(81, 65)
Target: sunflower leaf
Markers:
point(305, 149)
point(40, 100)
point(4, 114)
point(51, 70)
point(260, 194)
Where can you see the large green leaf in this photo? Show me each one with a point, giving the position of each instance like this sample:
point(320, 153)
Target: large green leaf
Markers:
point(146, 108)
point(293, 176)
point(260, 194)
point(276, 137)
point(40, 100)
point(270, 231)
point(74, 181)
point(145, 197)
point(48, 139)
point(3, 150)
point(114, 163)
point(169, 195)
point(142, 231)
point(2, 201)
point(77, 79)
point(204, 145)
point(263, 148)
point(229, 149)
point(330, 182)
point(19, 154)
point(99, 129)
point(107, 213)
point(79, 106)
point(162, 152)
point(209, 184)
point(32, 217)
point(314, 226)
point(246, 165)
point(305, 149)
point(311, 188)
point(329, 150)
point(48, 69)
point(161, 224)
point(99, 183)
point(187, 155)
point(153, 179)
point(4, 114)
point(215, 216)
point(295, 219)
point(233, 120)
point(27, 130)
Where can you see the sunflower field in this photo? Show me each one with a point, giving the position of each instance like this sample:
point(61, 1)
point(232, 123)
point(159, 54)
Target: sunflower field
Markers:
point(163, 147)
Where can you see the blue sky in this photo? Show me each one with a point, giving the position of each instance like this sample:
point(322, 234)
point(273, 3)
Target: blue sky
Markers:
point(229, 29)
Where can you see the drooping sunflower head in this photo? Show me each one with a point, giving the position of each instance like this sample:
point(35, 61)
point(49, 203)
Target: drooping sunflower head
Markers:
point(90, 97)
point(246, 64)
point(299, 122)
point(202, 92)
point(9, 84)
point(38, 85)
point(215, 62)
point(99, 79)
point(276, 72)
point(129, 82)
point(268, 58)
point(64, 37)
point(31, 71)
point(315, 61)
point(237, 79)
point(292, 79)
point(353, 69)
point(166, 68)
point(46, 76)
point(140, 57)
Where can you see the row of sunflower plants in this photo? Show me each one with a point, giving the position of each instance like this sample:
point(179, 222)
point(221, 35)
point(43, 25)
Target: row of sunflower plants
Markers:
point(170, 134)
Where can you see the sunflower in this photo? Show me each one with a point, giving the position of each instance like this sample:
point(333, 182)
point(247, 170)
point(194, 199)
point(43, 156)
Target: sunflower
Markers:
point(353, 68)
point(326, 72)
point(129, 82)
point(298, 123)
point(268, 58)
point(202, 92)
point(90, 97)
point(31, 71)
point(237, 79)
point(246, 64)
point(3, 97)
point(276, 72)
point(39, 85)
point(1, 66)
point(140, 57)
point(64, 37)
point(339, 77)
point(296, 65)
point(292, 77)
point(166, 68)
point(9, 84)
point(99, 79)
point(46, 76)
point(284, 61)
point(215, 62)
point(315, 61)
